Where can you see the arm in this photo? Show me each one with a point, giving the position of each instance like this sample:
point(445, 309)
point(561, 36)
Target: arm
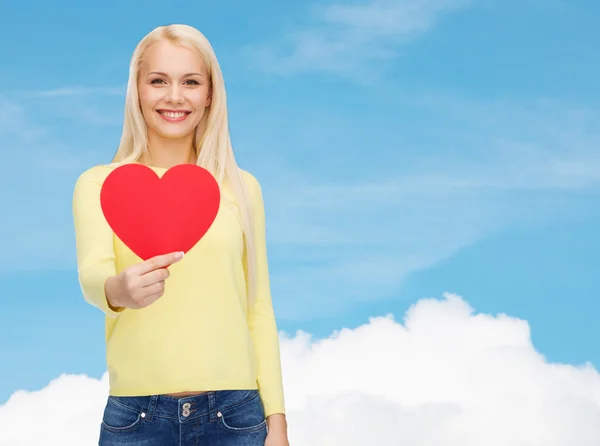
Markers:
point(261, 319)
point(94, 241)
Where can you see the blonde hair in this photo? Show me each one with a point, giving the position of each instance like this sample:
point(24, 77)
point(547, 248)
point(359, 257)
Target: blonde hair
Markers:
point(212, 142)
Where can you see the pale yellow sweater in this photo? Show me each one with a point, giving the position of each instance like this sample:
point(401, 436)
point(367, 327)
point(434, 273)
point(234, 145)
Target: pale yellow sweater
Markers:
point(200, 335)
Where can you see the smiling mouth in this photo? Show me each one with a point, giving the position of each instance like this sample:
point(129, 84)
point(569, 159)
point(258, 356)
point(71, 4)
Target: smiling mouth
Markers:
point(173, 116)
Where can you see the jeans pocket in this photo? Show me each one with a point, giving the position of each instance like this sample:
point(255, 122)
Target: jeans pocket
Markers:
point(246, 417)
point(119, 418)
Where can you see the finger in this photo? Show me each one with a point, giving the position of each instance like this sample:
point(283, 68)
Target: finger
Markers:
point(154, 276)
point(158, 287)
point(151, 298)
point(160, 261)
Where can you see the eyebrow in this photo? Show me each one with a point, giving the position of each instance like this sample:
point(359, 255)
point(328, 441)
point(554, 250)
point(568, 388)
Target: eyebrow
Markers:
point(166, 75)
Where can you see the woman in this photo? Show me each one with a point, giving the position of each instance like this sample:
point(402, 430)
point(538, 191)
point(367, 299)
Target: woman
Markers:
point(191, 341)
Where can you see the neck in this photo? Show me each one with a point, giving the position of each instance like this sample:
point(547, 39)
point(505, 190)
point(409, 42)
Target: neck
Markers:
point(169, 152)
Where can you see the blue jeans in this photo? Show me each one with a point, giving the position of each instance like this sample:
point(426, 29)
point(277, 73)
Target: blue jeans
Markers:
point(222, 417)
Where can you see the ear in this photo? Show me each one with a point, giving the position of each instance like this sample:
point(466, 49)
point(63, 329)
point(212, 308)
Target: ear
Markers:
point(209, 98)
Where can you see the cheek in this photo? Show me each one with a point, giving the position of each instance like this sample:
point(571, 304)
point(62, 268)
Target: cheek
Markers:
point(198, 99)
point(147, 99)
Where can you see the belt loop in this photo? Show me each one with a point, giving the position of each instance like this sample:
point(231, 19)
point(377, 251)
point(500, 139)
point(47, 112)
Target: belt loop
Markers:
point(151, 407)
point(212, 405)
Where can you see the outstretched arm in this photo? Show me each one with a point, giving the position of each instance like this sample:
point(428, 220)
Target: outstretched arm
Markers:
point(94, 240)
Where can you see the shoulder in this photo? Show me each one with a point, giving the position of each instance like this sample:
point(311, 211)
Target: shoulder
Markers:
point(250, 182)
point(248, 178)
point(94, 176)
point(253, 190)
point(97, 172)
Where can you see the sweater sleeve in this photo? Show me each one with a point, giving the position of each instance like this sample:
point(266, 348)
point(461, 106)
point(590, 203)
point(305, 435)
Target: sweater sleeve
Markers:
point(94, 239)
point(261, 317)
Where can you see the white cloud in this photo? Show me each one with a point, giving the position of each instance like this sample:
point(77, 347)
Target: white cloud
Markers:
point(347, 36)
point(447, 376)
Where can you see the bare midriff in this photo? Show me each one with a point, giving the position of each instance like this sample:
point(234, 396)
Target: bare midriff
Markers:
point(183, 394)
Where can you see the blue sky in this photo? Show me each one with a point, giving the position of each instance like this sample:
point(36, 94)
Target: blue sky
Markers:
point(405, 149)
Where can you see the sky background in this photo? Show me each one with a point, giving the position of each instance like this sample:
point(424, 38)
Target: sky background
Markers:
point(405, 149)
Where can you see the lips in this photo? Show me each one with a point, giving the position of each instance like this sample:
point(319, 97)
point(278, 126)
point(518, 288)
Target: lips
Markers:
point(173, 115)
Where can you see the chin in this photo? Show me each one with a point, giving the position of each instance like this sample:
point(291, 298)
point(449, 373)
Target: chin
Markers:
point(175, 135)
point(173, 131)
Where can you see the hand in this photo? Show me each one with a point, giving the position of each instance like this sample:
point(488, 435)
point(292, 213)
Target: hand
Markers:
point(276, 430)
point(277, 438)
point(141, 284)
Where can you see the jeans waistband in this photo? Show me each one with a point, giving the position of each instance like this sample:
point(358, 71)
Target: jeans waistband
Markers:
point(186, 408)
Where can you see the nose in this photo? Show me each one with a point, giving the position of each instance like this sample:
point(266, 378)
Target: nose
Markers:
point(174, 95)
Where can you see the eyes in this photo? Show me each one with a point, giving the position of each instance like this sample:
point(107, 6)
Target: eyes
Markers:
point(189, 81)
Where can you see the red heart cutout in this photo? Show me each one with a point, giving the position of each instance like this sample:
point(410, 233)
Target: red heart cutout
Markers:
point(155, 215)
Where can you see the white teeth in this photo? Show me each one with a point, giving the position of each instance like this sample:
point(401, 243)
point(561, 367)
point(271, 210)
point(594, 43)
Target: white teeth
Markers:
point(172, 114)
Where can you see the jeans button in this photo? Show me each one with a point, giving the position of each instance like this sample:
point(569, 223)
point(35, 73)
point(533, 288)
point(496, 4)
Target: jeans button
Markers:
point(186, 406)
point(185, 413)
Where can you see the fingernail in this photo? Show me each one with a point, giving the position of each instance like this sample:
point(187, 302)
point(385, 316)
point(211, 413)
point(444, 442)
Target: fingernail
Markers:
point(179, 255)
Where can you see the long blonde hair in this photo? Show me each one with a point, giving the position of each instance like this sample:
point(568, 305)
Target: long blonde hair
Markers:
point(212, 142)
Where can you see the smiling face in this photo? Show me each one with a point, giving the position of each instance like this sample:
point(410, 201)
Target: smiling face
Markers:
point(174, 91)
